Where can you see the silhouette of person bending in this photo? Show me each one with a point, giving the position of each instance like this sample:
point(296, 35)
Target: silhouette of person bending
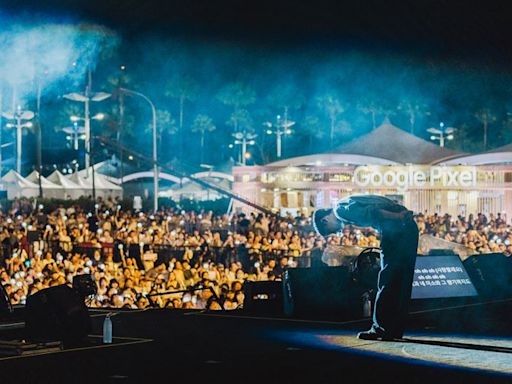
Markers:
point(399, 244)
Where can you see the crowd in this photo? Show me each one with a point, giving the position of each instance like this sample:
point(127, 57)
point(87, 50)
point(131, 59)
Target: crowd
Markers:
point(481, 233)
point(203, 259)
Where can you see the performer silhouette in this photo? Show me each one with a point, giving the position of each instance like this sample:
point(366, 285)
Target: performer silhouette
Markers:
point(399, 244)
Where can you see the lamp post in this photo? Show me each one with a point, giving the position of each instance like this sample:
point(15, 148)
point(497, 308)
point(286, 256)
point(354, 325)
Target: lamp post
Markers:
point(19, 117)
point(244, 139)
point(441, 134)
point(86, 97)
point(282, 127)
point(75, 133)
point(155, 154)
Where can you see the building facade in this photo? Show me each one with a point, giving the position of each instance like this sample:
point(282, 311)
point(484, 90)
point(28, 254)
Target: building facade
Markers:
point(389, 162)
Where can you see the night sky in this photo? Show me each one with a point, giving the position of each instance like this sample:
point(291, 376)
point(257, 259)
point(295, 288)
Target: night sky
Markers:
point(453, 56)
point(448, 27)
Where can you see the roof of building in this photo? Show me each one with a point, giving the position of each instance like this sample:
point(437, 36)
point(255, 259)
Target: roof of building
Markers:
point(392, 143)
point(500, 155)
point(385, 145)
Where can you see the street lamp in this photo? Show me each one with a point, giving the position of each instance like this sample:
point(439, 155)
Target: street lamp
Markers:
point(75, 133)
point(19, 116)
point(86, 97)
point(155, 154)
point(98, 116)
point(244, 139)
point(441, 133)
point(282, 127)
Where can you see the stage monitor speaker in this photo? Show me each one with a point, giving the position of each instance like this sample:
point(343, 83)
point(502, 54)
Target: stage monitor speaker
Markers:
point(265, 297)
point(57, 313)
point(325, 290)
point(491, 274)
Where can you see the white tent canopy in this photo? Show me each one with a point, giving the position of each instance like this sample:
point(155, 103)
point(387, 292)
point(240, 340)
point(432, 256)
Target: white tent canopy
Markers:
point(105, 188)
point(193, 190)
point(18, 186)
point(60, 186)
point(102, 185)
point(50, 189)
point(71, 189)
point(101, 182)
point(81, 181)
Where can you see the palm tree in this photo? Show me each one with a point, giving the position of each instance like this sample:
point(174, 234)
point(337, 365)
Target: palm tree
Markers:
point(486, 117)
point(183, 88)
point(285, 97)
point(118, 122)
point(333, 107)
point(236, 95)
point(240, 120)
point(203, 124)
point(117, 116)
point(166, 126)
point(312, 127)
point(506, 128)
point(372, 108)
point(413, 110)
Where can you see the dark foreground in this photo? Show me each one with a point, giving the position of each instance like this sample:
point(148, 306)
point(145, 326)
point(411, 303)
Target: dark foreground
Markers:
point(472, 345)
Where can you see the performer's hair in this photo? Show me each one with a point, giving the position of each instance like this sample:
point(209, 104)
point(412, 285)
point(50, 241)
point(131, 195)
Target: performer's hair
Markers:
point(318, 215)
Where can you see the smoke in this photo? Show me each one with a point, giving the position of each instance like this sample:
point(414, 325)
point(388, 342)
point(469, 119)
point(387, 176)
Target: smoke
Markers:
point(48, 52)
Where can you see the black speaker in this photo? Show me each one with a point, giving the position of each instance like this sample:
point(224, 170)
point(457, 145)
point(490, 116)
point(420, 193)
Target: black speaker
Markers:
point(327, 290)
point(57, 313)
point(263, 297)
point(491, 274)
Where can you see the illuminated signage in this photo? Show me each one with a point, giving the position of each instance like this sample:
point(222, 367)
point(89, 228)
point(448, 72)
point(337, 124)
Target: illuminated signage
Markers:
point(404, 178)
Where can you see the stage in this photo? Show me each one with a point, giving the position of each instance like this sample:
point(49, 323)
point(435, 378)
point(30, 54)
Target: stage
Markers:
point(233, 347)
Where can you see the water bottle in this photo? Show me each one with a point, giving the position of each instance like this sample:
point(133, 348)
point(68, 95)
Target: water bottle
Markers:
point(367, 305)
point(107, 330)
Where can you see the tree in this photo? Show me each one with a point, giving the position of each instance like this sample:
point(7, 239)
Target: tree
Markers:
point(463, 140)
point(285, 96)
point(370, 107)
point(117, 120)
point(240, 120)
point(236, 95)
point(486, 117)
point(118, 123)
point(413, 110)
point(333, 107)
point(183, 88)
point(165, 126)
point(506, 129)
point(203, 124)
point(312, 127)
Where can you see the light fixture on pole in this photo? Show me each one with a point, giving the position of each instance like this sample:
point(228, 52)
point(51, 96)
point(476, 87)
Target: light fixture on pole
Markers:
point(86, 97)
point(244, 139)
point(19, 117)
point(75, 133)
point(441, 133)
point(282, 127)
point(155, 154)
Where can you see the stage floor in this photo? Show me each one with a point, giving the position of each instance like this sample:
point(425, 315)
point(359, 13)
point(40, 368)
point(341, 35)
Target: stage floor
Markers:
point(233, 347)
